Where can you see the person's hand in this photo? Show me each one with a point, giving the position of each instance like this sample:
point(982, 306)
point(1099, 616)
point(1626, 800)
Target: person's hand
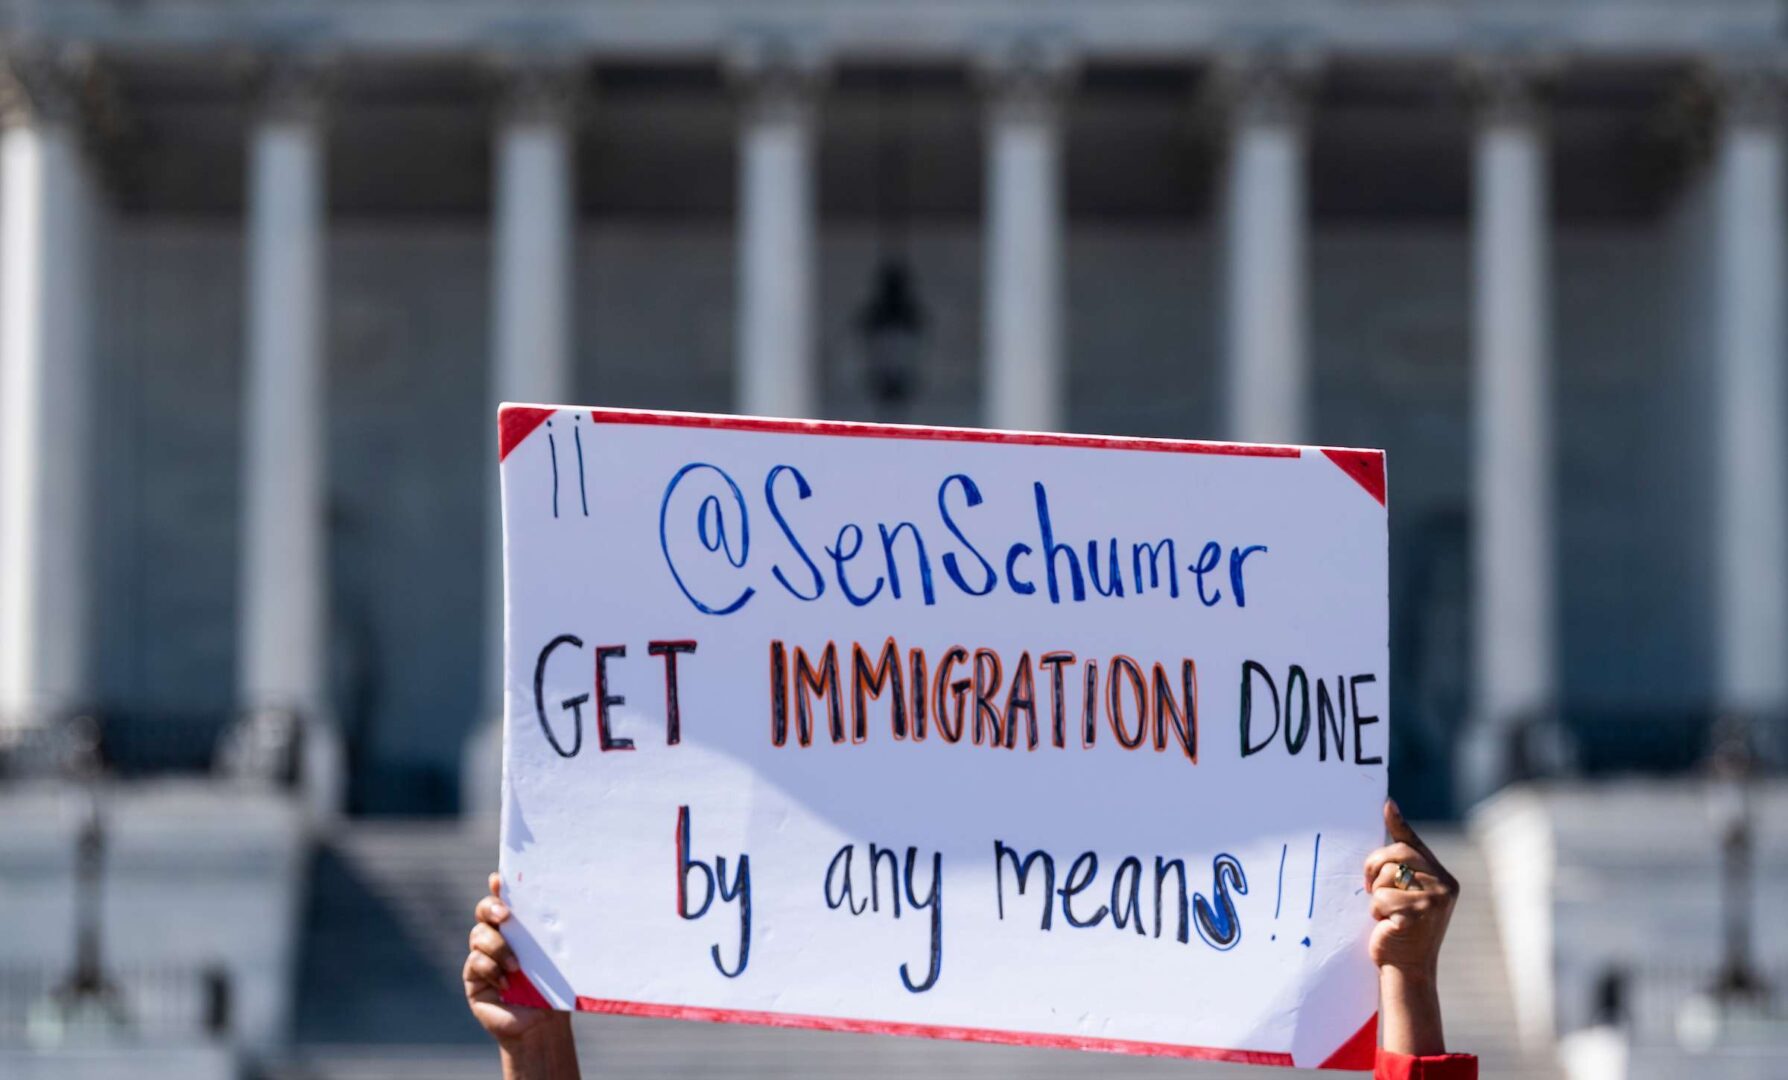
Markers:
point(1411, 920)
point(488, 967)
point(536, 1043)
point(1411, 911)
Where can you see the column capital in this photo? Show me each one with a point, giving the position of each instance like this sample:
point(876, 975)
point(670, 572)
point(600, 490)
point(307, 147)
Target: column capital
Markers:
point(1721, 92)
point(539, 88)
point(1509, 87)
point(777, 74)
point(1747, 90)
point(1267, 86)
point(288, 87)
point(44, 83)
point(1026, 67)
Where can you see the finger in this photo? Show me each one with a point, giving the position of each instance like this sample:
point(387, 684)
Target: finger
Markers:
point(502, 1020)
point(469, 972)
point(1396, 827)
point(483, 993)
point(1399, 829)
point(495, 883)
point(482, 969)
point(1393, 820)
point(1392, 854)
point(1388, 937)
point(488, 940)
point(1420, 880)
point(1386, 878)
point(1393, 901)
point(491, 910)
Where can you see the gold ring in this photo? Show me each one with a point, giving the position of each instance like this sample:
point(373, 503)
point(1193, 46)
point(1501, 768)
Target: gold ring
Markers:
point(1406, 878)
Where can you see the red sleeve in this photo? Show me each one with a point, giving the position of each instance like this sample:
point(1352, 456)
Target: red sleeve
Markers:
point(1436, 1067)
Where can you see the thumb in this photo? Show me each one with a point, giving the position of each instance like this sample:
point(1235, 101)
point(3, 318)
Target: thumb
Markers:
point(1398, 828)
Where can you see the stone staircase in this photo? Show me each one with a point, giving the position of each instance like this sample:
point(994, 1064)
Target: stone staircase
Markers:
point(379, 995)
point(1474, 980)
point(380, 999)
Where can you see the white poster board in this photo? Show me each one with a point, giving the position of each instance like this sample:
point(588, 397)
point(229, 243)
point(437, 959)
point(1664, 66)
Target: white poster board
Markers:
point(1040, 739)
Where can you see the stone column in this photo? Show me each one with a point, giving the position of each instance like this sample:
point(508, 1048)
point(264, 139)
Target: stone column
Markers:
point(282, 668)
point(45, 395)
point(533, 250)
point(1750, 484)
point(1264, 210)
point(1514, 610)
point(1025, 380)
point(533, 238)
point(778, 368)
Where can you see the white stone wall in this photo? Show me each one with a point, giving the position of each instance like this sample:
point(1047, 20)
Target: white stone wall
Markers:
point(1624, 876)
point(199, 1062)
point(194, 876)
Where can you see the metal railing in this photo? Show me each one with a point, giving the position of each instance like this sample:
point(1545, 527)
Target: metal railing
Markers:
point(262, 744)
point(49, 1007)
point(1657, 1000)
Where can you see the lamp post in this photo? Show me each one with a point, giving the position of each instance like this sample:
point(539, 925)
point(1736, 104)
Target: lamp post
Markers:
point(890, 324)
point(1737, 1007)
point(1731, 766)
point(87, 1007)
point(892, 327)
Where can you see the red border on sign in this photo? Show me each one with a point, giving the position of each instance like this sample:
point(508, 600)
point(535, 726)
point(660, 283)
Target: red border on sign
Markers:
point(517, 422)
point(1359, 1052)
point(1365, 466)
point(930, 1031)
point(933, 434)
point(1356, 1053)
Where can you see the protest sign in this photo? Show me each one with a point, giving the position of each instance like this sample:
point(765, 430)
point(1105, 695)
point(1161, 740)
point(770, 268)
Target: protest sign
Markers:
point(1040, 739)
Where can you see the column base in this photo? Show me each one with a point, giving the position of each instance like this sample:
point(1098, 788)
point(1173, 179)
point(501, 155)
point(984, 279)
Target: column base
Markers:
point(1496, 753)
point(282, 747)
point(322, 779)
point(481, 773)
point(49, 740)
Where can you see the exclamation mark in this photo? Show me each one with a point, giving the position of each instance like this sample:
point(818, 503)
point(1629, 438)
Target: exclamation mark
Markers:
point(582, 492)
point(553, 447)
point(1315, 859)
point(1280, 895)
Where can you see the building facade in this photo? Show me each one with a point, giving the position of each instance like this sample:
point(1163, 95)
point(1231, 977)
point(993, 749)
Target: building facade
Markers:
point(266, 268)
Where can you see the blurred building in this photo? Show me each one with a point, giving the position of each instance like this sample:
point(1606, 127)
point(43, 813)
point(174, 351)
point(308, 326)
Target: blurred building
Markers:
point(266, 266)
